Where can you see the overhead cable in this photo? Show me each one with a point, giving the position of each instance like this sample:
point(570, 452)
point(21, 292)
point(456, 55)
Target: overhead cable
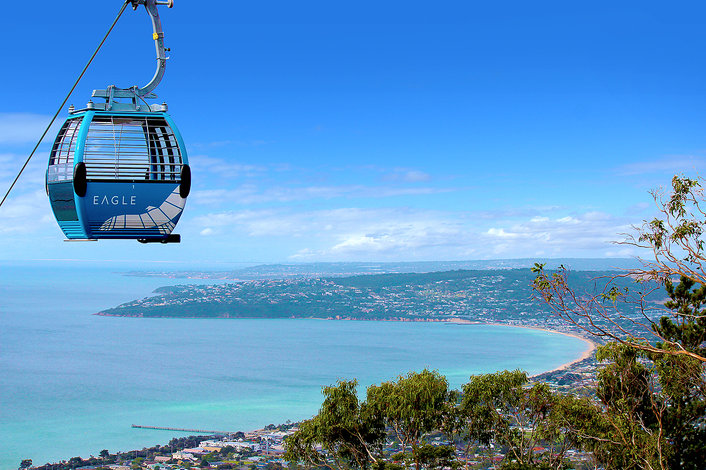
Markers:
point(122, 9)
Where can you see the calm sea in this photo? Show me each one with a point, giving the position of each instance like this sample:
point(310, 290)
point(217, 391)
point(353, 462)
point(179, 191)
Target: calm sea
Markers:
point(72, 383)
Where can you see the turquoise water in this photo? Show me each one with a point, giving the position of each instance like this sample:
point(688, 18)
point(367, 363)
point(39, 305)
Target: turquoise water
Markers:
point(73, 383)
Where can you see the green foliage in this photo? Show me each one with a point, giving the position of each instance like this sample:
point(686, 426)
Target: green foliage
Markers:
point(413, 406)
point(227, 450)
point(377, 281)
point(503, 295)
point(614, 293)
point(687, 325)
point(484, 400)
point(678, 207)
point(349, 432)
point(547, 285)
point(625, 385)
point(676, 236)
point(652, 410)
point(384, 465)
point(681, 377)
point(525, 466)
point(501, 408)
point(137, 463)
point(626, 431)
point(437, 457)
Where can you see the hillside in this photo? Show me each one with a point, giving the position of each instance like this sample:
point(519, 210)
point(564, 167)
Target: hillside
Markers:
point(474, 295)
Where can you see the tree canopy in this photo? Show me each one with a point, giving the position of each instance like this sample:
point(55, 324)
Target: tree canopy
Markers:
point(652, 390)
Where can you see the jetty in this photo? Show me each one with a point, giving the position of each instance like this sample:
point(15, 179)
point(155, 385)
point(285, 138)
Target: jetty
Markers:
point(198, 431)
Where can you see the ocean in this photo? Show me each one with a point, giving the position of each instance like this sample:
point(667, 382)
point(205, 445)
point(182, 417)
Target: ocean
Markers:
point(72, 383)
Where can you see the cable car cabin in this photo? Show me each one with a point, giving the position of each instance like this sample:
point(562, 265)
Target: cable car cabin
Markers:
point(118, 175)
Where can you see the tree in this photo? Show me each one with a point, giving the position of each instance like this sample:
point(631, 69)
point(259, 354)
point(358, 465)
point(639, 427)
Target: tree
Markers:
point(474, 419)
point(26, 463)
point(501, 408)
point(413, 406)
point(437, 457)
point(137, 463)
point(675, 241)
point(682, 378)
point(348, 432)
point(627, 431)
point(652, 410)
point(104, 454)
point(227, 450)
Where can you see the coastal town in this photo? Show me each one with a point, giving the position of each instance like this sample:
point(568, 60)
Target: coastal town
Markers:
point(502, 297)
point(438, 295)
point(483, 296)
point(491, 297)
point(353, 236)
point(261, 449)
point(264, 448)
point(238, 450)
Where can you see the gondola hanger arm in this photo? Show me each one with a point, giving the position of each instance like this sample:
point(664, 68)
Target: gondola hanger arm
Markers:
point(158, 36)
point(134, 93)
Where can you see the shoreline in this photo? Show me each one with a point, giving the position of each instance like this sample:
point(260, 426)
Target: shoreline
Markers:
point(588, 352)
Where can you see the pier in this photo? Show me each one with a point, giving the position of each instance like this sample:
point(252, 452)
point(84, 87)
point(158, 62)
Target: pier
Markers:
point(198, 431)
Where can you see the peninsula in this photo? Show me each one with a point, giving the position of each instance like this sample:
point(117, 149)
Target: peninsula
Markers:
point(485, 296)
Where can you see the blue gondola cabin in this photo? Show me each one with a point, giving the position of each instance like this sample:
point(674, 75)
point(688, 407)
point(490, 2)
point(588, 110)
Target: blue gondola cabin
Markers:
point(118, 175)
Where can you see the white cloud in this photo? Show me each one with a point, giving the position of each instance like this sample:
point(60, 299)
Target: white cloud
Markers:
point(246, 194)
point(576, 235)
point(33, 175)
point(232, 169)
point(341, 224)
point(501, 233)
point(398, 234)
point(26, 213)
point(538, 219)
point(16, 128)
point(7, 167)
point(408, 175)
point(363, 243)
point(670, 165)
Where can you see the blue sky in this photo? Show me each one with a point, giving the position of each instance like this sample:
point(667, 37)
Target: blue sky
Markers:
point(324, 131)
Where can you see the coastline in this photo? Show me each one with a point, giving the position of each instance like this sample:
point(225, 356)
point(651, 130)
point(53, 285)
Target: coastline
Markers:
point(591, 348)
point(588, 352)
point(441, 330)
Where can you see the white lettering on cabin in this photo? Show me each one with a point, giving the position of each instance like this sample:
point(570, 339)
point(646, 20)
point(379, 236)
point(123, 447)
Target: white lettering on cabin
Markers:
point(114, 201)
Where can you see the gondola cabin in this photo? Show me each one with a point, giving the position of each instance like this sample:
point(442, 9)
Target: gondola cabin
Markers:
point(118, 175)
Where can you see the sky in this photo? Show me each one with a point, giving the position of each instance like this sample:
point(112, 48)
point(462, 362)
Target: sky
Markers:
point(374, 131)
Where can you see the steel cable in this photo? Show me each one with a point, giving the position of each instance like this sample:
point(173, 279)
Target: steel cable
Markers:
point(122, 9)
